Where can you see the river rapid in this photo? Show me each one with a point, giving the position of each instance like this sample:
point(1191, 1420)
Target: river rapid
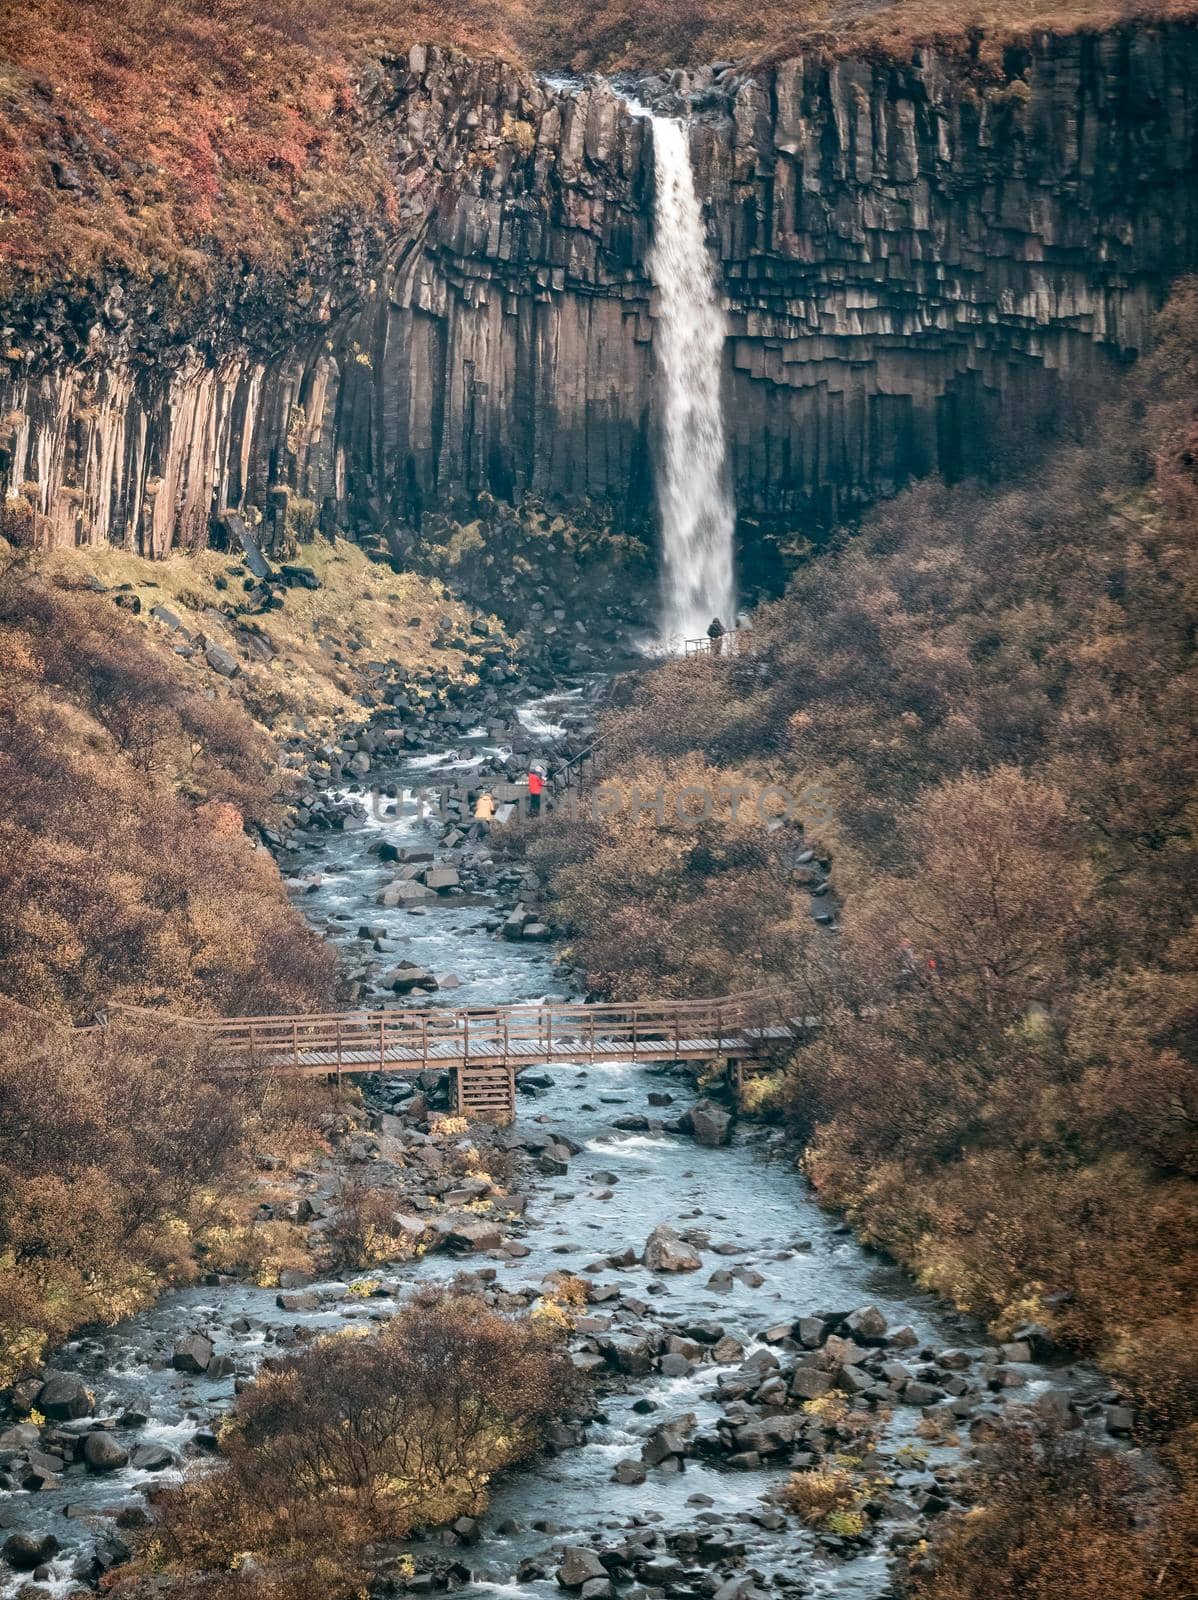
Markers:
point(769, 1256)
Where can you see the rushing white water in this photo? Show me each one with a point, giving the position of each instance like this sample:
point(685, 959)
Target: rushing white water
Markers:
point(697, 514)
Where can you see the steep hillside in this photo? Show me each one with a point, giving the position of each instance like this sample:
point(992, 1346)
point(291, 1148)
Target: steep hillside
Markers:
point(142, 708)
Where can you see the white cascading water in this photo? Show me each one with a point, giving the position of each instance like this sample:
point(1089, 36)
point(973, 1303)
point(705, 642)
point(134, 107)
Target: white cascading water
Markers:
point(697, 514)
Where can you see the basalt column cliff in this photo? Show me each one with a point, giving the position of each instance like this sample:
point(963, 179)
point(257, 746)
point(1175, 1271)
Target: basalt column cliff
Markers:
point(909, 254)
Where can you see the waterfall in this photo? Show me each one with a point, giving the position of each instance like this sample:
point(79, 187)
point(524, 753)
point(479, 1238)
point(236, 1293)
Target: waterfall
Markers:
point(695, 504)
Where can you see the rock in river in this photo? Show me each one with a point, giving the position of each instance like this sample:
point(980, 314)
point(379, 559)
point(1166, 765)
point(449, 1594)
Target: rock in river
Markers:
point(25, 1551)
point(666, 1252)
point(64, 1398)
point(102, 1453)
point(578, 1566)
point(192, 1354)
point(709, 1123)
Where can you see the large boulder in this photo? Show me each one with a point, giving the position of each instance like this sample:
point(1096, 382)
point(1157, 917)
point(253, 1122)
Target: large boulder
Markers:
point(24, 1551)
point(441, 878)
point(710, 1124)
point(665, 1252)
point(462, 1237)
point(192, 1354)
point(21, 1436)
point(298, 1300)
point(578, 1566)
point(103, 1453)
point(23, 1396)
point(669, 1438)
point(401, 892)
point(844, 1352)
point(629, 1353)
point(809, 1383)
point(1038, 1338)
point(410, 1227)
point(407, 977)
point(219, 659)
point(43, 1472)
point(866, 1324)
point(64, 1398)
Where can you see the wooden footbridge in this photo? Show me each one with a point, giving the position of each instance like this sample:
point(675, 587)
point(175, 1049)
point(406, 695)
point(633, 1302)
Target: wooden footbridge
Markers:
point(487, 1049)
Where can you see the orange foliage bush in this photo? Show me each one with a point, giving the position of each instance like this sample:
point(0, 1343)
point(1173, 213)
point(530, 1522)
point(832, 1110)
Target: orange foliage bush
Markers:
point(359, 1439)
point(125, 876)
point(107, 1138)
point(1059, 1520)
point(659, 906)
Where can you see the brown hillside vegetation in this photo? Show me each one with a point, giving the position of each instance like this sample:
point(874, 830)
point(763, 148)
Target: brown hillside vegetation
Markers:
point(622, 34)
point(115, 1152)
point(125, 871)
point(125, 875)
point(164, 136)
point(1059, 1520)
point(995, 689)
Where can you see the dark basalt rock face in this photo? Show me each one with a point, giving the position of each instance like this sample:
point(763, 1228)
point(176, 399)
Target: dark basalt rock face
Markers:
point(910, 254)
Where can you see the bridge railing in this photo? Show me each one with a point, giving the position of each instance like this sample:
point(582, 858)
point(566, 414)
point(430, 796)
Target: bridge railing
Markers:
point(359, 1040)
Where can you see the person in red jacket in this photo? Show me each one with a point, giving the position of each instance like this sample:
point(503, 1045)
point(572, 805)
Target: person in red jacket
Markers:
point(536, 785)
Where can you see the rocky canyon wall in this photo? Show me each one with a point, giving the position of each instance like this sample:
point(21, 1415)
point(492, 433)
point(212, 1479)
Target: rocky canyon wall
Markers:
point(911, 255)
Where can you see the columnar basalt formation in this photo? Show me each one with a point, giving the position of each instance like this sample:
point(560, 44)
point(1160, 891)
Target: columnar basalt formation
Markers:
point(910, 253)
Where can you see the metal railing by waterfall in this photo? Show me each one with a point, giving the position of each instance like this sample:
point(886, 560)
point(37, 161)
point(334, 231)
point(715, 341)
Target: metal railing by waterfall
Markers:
point(727, 644)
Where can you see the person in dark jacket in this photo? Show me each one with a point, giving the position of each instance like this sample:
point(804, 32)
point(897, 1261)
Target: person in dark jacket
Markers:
point(716, 632)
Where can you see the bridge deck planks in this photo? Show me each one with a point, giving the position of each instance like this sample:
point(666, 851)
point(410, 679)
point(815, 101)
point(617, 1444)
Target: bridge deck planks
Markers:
point(449, 1052)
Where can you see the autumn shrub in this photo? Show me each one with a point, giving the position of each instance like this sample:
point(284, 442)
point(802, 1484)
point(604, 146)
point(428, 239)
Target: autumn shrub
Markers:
point(818, 1491)
point(362, 1230)
point(127, 878)
point(1157, 1363)
point(658, 901)
point(112, 1143)
point(493, 1164)
point(1058, 1519)
point(358, 1439)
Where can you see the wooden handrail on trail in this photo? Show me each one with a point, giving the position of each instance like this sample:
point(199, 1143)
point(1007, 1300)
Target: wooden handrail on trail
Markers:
point(475, 1040)
point(572, 773)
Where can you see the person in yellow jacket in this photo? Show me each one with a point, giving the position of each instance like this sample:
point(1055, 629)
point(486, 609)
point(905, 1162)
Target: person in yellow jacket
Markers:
point(484, 807)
